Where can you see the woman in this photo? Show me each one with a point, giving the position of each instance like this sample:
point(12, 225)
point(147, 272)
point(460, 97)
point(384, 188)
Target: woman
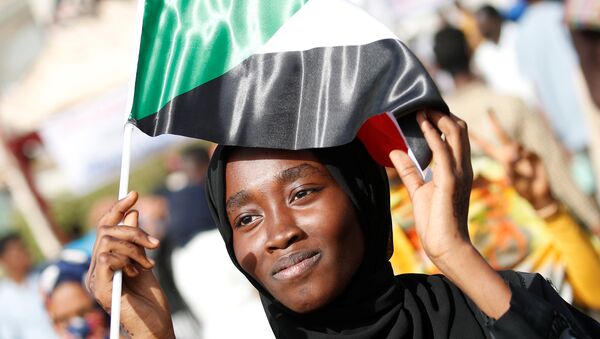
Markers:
point(311, 230)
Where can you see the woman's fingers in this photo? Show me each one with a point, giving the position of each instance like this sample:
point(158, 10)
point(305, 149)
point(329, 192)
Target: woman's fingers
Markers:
point(125, 242)
point(114, 262)
point(455, 134)
point(465, 146)
point(119, 209)
point(441, 153)
point(131, 218)
point(109, 244)
point(99, 280)
point(122, 262)
point(116, 214)
point(408, 172)
point(118, 248)
point(130, 234)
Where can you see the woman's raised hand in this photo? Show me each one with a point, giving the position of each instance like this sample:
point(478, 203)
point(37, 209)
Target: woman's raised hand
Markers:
point(144, 308)
point(440, 209)
point(440, 206)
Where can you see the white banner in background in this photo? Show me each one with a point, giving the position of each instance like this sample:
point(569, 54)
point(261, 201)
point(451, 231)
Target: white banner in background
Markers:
point(86, 142)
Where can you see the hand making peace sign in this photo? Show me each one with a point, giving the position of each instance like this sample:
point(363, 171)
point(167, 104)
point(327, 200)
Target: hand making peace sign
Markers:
point(524, 169)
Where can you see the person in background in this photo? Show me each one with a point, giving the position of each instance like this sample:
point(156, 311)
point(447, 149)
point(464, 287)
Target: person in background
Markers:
point(583, 19)
point(495, 58)
point(153, 208)
point(187, 207)
point(22, 314)
point(226, 295)
point(472, 99)
point(466, 20)
point(547, 58)
point(571, 244)
point(215, 292)
point(514, 12)
point(185, 216)
point(74, 313)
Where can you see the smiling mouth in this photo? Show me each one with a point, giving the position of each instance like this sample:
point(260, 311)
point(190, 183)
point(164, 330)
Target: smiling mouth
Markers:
point(295, 264)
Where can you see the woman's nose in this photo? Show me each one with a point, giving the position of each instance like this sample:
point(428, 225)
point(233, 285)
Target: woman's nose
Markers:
point(282, 233)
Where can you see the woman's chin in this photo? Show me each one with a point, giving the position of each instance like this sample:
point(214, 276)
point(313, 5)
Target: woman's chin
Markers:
point(308, 299)
point(304, 306)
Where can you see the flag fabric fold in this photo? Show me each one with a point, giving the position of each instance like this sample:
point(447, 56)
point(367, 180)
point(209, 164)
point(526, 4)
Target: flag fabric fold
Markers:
point(290, 74)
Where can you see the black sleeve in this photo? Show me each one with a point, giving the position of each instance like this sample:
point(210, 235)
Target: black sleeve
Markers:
point(537, 311)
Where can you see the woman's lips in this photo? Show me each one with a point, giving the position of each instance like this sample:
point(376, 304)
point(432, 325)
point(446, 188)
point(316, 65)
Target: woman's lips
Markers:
point(295, 264)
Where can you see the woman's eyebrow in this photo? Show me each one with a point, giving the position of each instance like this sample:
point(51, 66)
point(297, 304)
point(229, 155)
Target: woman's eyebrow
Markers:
point(293, 173)
point(237, 200)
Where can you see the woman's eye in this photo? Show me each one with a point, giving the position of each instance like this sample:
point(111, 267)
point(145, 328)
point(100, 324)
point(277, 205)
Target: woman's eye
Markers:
point(246, 220)
point(303, 193)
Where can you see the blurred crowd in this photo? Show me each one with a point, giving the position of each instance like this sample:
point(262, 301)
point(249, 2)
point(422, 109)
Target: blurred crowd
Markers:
point(526, 79)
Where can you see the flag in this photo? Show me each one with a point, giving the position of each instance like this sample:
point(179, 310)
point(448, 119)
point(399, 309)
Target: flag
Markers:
point(288, 74)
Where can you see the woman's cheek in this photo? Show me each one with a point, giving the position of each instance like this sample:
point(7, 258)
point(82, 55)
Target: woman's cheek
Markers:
point(247, 249)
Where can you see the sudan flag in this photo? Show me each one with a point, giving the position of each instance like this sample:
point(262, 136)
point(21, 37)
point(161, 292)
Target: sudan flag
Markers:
point(291, 74)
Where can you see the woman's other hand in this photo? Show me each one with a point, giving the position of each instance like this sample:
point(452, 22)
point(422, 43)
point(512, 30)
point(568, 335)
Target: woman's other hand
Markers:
point(440, 209)
point(144, 308)
point(441, 205)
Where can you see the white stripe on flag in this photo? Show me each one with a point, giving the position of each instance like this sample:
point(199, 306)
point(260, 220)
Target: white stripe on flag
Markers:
point(326, 23)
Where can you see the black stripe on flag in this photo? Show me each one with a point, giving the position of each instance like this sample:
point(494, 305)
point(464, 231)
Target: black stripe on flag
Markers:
point(300, 99)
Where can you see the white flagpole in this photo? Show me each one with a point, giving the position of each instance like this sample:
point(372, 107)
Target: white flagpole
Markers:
point(117, 284)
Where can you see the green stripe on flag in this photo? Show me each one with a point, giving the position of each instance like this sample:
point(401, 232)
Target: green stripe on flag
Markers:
point(186, 43)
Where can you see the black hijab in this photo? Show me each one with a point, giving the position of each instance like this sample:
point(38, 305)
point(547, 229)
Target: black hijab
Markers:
point(375, 304)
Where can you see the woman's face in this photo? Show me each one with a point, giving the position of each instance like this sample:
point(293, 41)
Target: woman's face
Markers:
point(294, 229)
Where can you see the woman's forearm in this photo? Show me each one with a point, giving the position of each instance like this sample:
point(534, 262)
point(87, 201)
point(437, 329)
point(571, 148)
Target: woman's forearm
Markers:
point(143, 325)
point(467, 269)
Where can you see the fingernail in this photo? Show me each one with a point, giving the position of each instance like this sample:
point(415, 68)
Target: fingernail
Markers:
point(153, 240)
point(151, 261)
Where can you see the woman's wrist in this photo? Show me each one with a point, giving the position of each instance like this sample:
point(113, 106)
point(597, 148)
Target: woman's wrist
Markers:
point(144, 332)
point(469, 271)
point(450, 261)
